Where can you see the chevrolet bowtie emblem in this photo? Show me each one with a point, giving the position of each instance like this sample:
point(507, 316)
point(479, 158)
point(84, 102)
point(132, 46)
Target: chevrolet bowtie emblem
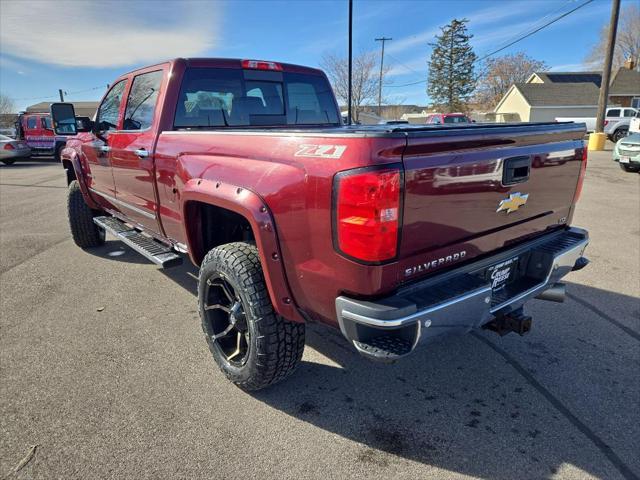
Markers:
point(513, 203)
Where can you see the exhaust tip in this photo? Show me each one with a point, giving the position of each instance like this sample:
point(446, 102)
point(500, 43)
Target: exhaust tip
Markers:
point(556, 293)
point(580, 264)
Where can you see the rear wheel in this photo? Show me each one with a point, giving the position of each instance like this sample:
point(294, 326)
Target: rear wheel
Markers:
point(252, 345)
point(85, 233)
point(9, 161)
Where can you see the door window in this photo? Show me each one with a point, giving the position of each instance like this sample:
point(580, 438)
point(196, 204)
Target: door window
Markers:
point(628, 112)
point(32, 122)
point(109, 109)
point(141, 104)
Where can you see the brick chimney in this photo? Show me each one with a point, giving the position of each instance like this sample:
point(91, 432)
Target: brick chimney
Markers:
point(629, 64)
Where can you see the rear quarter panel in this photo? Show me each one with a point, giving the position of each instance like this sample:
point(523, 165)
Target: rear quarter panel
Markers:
point(297, 190)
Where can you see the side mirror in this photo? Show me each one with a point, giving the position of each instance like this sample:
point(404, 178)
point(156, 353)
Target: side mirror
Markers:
point(84, 124)
point(63, 116)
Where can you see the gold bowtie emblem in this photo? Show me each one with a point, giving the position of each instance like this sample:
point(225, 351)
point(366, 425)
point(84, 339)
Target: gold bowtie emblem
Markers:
point(513, 203)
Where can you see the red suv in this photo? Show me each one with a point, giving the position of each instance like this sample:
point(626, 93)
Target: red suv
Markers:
point(440, 118)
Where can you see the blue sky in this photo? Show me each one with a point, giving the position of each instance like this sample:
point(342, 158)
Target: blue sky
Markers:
point(80, 46)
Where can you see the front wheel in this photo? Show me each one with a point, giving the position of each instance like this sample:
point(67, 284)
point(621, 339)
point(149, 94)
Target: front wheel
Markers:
point(85, 233)
point(252, 345)
point(619, 134)
point(629, 168)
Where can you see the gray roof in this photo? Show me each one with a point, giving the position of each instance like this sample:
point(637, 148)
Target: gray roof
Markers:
point(559, 94)
point(625, 82)
point(86, 109)
point(571, 77)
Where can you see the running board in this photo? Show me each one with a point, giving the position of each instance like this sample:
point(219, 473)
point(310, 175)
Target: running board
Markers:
point(148, 247)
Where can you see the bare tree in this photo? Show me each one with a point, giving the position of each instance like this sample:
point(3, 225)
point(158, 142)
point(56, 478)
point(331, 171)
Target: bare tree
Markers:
point(500, 73)
point(7, 105)
point(627, 40)
point(365, 78)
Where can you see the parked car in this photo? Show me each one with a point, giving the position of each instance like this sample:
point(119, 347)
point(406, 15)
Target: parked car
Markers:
point(8, 132)
point(627, 153)
point(616, 123)
point(442, 118)
point(292, 217)
point(12, 150)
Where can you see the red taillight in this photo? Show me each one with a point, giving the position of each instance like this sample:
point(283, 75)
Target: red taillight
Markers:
point(367, 211)
point(261, 65)
point(606, 122)
point(583, 171)
point(8, 146)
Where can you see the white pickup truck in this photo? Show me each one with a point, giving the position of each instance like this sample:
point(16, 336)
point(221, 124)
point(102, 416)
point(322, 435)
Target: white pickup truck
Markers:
point(616, 123)
point(634, 124)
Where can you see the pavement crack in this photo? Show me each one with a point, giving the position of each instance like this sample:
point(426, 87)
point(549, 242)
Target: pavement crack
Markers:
point(600, 313)
point(25, 460)
point(579, 424)
point(29, 186)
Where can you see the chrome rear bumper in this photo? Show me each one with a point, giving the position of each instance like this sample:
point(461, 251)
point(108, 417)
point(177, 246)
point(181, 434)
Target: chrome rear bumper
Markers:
point(462, 299)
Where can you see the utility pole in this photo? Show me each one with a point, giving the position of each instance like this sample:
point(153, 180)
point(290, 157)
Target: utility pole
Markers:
point(606, 76)
point(383, 40)
point(349, 114)
point(61, 95)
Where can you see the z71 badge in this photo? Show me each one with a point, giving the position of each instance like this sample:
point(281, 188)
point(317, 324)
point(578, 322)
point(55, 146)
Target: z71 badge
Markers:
point(321, 151)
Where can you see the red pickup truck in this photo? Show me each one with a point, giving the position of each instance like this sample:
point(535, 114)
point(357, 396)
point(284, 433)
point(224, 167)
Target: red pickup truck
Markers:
point(395, 234)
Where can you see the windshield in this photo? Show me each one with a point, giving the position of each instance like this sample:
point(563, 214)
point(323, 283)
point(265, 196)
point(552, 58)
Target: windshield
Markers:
point(224, 97)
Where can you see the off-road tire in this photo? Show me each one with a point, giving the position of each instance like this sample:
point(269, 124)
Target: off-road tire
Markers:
point(9, 161)
point(275, 344)
point(85, 233)
point(628, 168)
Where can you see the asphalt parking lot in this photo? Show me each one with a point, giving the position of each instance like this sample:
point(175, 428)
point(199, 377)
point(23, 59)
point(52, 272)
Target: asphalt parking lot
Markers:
point(104, 369)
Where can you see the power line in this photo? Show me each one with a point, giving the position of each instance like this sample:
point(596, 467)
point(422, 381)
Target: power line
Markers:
point(536, 30)
point(519, 39)
point(100, 87)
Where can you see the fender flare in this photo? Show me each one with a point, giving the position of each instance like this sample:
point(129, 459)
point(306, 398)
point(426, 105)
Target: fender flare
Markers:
point(77, 168)
point(254, 209)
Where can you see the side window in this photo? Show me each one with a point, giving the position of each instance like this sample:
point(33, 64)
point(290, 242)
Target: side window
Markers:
point(628, 112)
point(109, 109)
point(614, 112)
point(46, 123)
point(32, 122)
point(141, 103)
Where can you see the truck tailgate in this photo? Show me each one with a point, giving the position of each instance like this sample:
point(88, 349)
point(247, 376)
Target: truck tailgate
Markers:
point(468, 192)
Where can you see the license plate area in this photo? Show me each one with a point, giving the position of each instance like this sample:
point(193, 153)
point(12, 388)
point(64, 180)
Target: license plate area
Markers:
point(625, 159)
point(502, 274)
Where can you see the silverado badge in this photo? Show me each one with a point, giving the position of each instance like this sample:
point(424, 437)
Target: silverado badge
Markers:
point(513, 203)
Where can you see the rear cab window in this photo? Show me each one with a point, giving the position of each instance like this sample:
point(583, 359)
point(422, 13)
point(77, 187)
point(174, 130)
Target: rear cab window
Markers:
point(233, 97)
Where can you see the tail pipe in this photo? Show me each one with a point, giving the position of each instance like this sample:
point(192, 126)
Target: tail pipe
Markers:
point(557, 293)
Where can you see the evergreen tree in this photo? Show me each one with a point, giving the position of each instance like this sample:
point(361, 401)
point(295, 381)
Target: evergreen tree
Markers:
point(451, 68)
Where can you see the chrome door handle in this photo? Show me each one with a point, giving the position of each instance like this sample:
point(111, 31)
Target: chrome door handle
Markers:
point(105, 148)
point(142, 153)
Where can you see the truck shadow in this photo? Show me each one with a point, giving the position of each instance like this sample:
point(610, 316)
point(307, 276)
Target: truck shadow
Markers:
point(460, 405)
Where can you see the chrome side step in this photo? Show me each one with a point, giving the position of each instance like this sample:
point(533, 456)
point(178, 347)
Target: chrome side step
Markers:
point(148, 247)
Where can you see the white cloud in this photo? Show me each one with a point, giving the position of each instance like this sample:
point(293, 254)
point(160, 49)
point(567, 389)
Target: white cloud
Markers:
point(575, 67)
point(106, 34)
point(482, 17)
